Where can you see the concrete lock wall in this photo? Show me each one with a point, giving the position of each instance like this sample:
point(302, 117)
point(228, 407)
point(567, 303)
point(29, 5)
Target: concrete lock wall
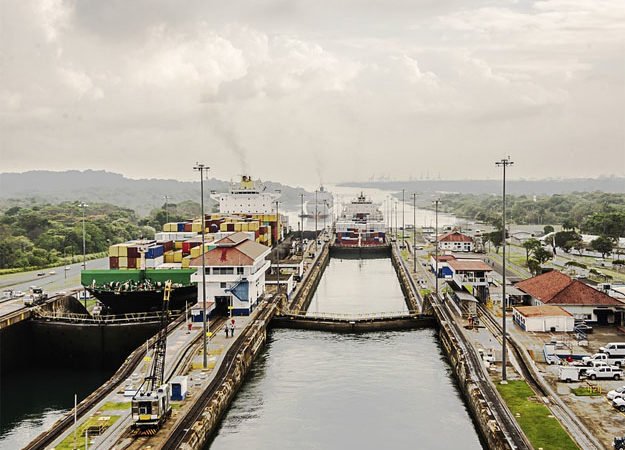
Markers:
point(302, 300)
point(480, 411)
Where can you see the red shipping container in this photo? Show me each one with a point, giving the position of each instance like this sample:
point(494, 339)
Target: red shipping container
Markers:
point(113, 262)
point(256, 234)
point(188, 227)
point(230, 227)
point(186, 247)
point(133, 252)
point(132, 263)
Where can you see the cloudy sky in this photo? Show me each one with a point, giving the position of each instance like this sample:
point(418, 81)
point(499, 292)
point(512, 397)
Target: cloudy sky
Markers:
point(303, 90)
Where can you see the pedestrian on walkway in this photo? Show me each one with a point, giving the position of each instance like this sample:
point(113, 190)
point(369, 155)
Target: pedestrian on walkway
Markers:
point(232, 330)
point(226, 329)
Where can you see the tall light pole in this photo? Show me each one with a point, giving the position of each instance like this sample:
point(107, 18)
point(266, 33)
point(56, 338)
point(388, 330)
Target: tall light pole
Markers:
point(437, 201)
point(166, 210)
point(414, 232)
point(316, 216)
point(503, 164)
point(403, 220)
point(278, 246)
point(395, 202)
point(83, 205)
point(201, 168)
point(301, 232)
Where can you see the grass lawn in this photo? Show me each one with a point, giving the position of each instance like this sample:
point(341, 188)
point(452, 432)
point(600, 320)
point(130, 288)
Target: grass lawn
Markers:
point(68, 442)
point(405, 254)
point(542, 430)
point(115, 406)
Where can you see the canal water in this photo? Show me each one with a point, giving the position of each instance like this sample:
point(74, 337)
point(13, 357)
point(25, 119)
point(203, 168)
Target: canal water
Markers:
point(32, 399)
point(318, 390)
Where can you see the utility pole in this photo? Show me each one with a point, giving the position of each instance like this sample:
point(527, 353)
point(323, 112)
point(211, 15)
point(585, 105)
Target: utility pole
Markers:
point(83, 205)
point(201, 168)
point(166, 210)
point(403, 220)
point(437, 201)
point(278, 247)
point(316, 216)
point(301, 232)
point(396, 230)
point(414, 232)
point(503, 164)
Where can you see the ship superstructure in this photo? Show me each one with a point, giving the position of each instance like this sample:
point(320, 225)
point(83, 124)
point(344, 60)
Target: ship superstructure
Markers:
point(321, 204)
point(361, 224)
point(246, 197)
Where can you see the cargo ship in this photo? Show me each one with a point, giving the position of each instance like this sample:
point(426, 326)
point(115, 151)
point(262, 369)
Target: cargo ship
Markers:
point(138, 269)
point(133, 291)
point(361, 224)
point(321, 204)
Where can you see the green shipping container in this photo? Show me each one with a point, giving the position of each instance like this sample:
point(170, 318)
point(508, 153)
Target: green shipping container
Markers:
point(180, 276)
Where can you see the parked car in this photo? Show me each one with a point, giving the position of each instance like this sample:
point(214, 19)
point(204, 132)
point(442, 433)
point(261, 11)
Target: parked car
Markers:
point(619, 403)
point(615, 393)
point(605, 372)
point(584, 328)
point(614, 349)
point(588, 360)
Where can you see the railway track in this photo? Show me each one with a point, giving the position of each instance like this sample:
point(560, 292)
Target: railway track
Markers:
point(46, 438)
point(576, 429)
point(180, 432)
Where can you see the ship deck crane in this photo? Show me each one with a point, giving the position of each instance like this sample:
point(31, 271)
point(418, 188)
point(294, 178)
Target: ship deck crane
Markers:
point(150, 404)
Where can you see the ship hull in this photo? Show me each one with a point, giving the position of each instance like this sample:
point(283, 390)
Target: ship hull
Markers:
point(144, 301)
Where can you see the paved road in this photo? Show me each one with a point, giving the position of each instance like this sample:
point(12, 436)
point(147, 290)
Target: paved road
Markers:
point(51, 284)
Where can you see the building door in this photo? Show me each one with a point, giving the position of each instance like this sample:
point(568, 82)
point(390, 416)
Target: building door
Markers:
point(221, 305)
point(602, 316)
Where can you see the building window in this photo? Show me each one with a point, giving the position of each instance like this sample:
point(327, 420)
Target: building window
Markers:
point(240, 270)
point(223, 270)
point(222, 285)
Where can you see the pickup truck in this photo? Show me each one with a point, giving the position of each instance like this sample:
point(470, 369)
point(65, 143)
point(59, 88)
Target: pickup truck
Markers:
point(588, 360)
point(605, 372)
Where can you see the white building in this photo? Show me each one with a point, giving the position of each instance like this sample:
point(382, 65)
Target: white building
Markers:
point(543, 318)
point(235, 274)
point(455, 241)
point(248, 197)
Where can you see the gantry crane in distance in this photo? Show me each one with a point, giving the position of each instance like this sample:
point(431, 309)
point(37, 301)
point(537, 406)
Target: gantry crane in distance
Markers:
point(150, 404)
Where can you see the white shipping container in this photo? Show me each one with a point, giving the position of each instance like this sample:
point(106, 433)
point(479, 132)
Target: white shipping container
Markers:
point(154, 262)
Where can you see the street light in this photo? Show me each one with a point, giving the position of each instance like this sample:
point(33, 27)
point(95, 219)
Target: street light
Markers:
point(83, 205)
point(414, 232)
point(277, 202)
point(436, 202)
point(201, 168)
point(503, 164)
point(403, 221)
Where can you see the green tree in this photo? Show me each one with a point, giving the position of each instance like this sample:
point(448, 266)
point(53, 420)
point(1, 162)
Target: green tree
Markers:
point(496, 238)
point(603, 245)
point(534, 266)
point(568, 224)
point(563, 238)
point(542, 255)
point(529, 247)
point(548, 229)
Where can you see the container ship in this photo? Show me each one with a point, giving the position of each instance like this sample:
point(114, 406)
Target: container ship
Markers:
point(361, 224)
point(321, 204)
point(139, 269)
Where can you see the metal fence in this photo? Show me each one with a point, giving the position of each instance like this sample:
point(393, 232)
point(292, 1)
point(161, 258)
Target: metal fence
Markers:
point(101, 319)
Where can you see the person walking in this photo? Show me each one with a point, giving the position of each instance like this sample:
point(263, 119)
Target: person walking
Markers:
point(232, 330)
point(226, 329)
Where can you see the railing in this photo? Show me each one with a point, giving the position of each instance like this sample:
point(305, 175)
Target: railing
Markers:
point(355, 316)
point(103, 319)
point(470, 279)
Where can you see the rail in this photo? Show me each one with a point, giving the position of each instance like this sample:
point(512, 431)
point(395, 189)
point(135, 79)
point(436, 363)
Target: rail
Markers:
point(100, 320)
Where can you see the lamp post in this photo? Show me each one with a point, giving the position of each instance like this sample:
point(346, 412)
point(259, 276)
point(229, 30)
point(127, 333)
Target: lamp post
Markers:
point(396, 230)
point(503, 164)
point(436, 202)
point(403, 220)
point(414, 232)
point(301, 231)
point(83, 205)
point(278, 247)
point(201, 168)
point(316, 216)
point(166, 210)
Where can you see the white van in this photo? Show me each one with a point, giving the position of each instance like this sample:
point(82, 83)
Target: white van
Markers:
point(614, 349)
point(605, 372)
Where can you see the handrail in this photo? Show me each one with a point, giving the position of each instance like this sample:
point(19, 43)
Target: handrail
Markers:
point(104, 319)
point(353, 316)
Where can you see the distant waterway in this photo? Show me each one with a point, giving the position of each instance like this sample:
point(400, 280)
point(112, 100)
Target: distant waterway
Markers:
point(32, 399)
point(318, 390)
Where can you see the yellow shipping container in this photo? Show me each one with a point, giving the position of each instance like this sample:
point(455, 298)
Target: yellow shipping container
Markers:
point(123, 261)
point(113, 250)
point(237, 226)
point(178, 256)
point(169, 256)
point(252, 226)
point(122, 250)
point(223, 226)
point(185, 262)
point(178, 245)
point(195, 251)
point(196, 227)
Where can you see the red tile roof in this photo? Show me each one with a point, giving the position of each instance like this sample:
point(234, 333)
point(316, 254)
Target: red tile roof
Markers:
point(242, 254)
point(454, 236)
point(469, 264)
point(557, 288)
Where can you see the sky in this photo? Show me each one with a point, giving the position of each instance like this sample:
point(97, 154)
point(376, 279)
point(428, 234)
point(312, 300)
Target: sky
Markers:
point(308, 91)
